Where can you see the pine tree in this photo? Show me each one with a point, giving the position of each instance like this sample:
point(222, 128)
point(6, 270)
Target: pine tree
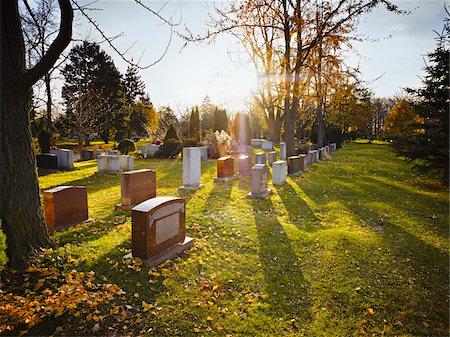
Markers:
point(220, 120)
point(194, 125)
point(133, 86)
point(430, 149)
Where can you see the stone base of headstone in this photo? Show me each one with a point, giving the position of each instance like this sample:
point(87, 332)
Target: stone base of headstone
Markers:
point(262, 195)
point(168, 254)
point(225, 179)
point(296, 174)
point(191, 188)
point(63, 227)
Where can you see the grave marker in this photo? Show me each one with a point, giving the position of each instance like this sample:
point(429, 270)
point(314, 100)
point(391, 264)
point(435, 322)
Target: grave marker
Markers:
point(108, 164)
point(259, 182)
point(136, 187)
point(158, 230)
point(65, 158)
point(191, 168)
point(245, 165)
point(225, 169)
point(271, 157)
point(267, 145)
point(261, 158)
point(47, 161)
point(65, 206)
point(126, 163)
point(294, 166)
point(279, 169)
point(282, 150)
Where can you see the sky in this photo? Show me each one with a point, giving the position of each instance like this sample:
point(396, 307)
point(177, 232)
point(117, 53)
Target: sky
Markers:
point(392, 59)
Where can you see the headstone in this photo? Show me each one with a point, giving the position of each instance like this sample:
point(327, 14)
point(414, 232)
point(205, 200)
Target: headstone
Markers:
point(112, 152)
point(203, 152)
point(259, 182)
point(225, 169)
point(126, 163)
point(294, 166)
point(279, 169)
point(47, 161)
point(65, 158)
point(136, 187)
point(245, 165)
point(149, 150)
point(282, 150)
point(244, 149)
point(333, 147)
point(267, 145)
point(98, 152)
point(158, 230)
point(316, 156)
point(191, 168)
point(256, 142)
point(327, 148)
point(323, 152)
point(271, 157)
point(310, 157)
point(303, 162)
point(65, 206)
point(87, 155)
point(261, 158)
point(108, 164)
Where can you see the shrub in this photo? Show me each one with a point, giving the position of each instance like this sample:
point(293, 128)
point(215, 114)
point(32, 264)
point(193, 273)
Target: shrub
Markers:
point(190, 142)
point(126, 146)
point(3, 257)
point(44, 140)
point(170, 149)
point(219, 143)
point(171, 134)
point(194, 125)
point(303, 148)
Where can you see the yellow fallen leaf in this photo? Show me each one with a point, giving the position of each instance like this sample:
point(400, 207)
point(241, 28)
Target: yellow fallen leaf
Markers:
point(371, 311)
point(215, 287)
point(209, 318)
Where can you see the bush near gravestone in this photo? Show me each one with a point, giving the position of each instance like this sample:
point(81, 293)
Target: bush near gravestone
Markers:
point(303, 148)
point(126, 146)
point(3, 257)
point(171, 134)
point(44, 140)
point(218, 143)
point(190, 142)
point(170, 149)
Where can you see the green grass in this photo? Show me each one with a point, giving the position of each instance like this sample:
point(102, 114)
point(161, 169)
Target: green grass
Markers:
point(305, 262)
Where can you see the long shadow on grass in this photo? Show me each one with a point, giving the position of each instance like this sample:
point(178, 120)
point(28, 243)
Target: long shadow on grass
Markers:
point(94, 182)
point(284, 281)
point(427, 270)
point(300, 214)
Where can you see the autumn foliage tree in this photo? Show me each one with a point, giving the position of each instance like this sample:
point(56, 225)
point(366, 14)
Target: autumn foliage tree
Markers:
point(401, 119)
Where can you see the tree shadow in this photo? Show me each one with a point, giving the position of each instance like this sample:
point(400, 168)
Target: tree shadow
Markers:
point(284, 281)
point(300, 213)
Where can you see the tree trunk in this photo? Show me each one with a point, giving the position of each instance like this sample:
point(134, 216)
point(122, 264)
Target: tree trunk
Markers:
point(48, 90)
point(21, 212)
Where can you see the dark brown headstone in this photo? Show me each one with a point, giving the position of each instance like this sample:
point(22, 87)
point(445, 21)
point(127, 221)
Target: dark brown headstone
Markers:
point(47, 161)
point(293, 165)
point(65, 206)
point(225, 167)
point(136, 187)
point(157, 225)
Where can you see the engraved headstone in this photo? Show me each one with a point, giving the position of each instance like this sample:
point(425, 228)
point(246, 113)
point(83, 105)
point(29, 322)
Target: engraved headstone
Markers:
point(47, 161)
point(65, 206)
point(259, 182)
point(294, 166)
point(149, 150)
point(191, 168)
point(282, 151)
point(245, 165)
point(87, 155)
point(158, 229)
point(271, 157)
point(108, 164)
point(136, 187)
point(203, 152)
point(279, 170)
point(310, 157)
point(225, 169)
point(316, 156)
point(261, 158)
point(65, 158)
point(126, 163)
point(267, 145)
point(303, 162)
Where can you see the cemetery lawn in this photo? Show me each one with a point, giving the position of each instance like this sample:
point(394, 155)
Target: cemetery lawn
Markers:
point(356, 246)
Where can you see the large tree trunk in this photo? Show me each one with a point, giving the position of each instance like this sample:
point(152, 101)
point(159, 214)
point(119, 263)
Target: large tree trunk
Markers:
point(21, 212)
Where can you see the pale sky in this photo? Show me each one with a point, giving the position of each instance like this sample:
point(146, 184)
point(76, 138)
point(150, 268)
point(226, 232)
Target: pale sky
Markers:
point(221, 70)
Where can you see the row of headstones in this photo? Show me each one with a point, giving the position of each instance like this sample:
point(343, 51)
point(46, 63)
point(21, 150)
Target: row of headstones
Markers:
point(158, 223)
point(64, 159)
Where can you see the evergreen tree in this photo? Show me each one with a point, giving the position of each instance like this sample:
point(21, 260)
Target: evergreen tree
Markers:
point(133, 86)
point(91, 90)
point(194, 125)
point(171, 134)
point(430, 149)
point(220, 120)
